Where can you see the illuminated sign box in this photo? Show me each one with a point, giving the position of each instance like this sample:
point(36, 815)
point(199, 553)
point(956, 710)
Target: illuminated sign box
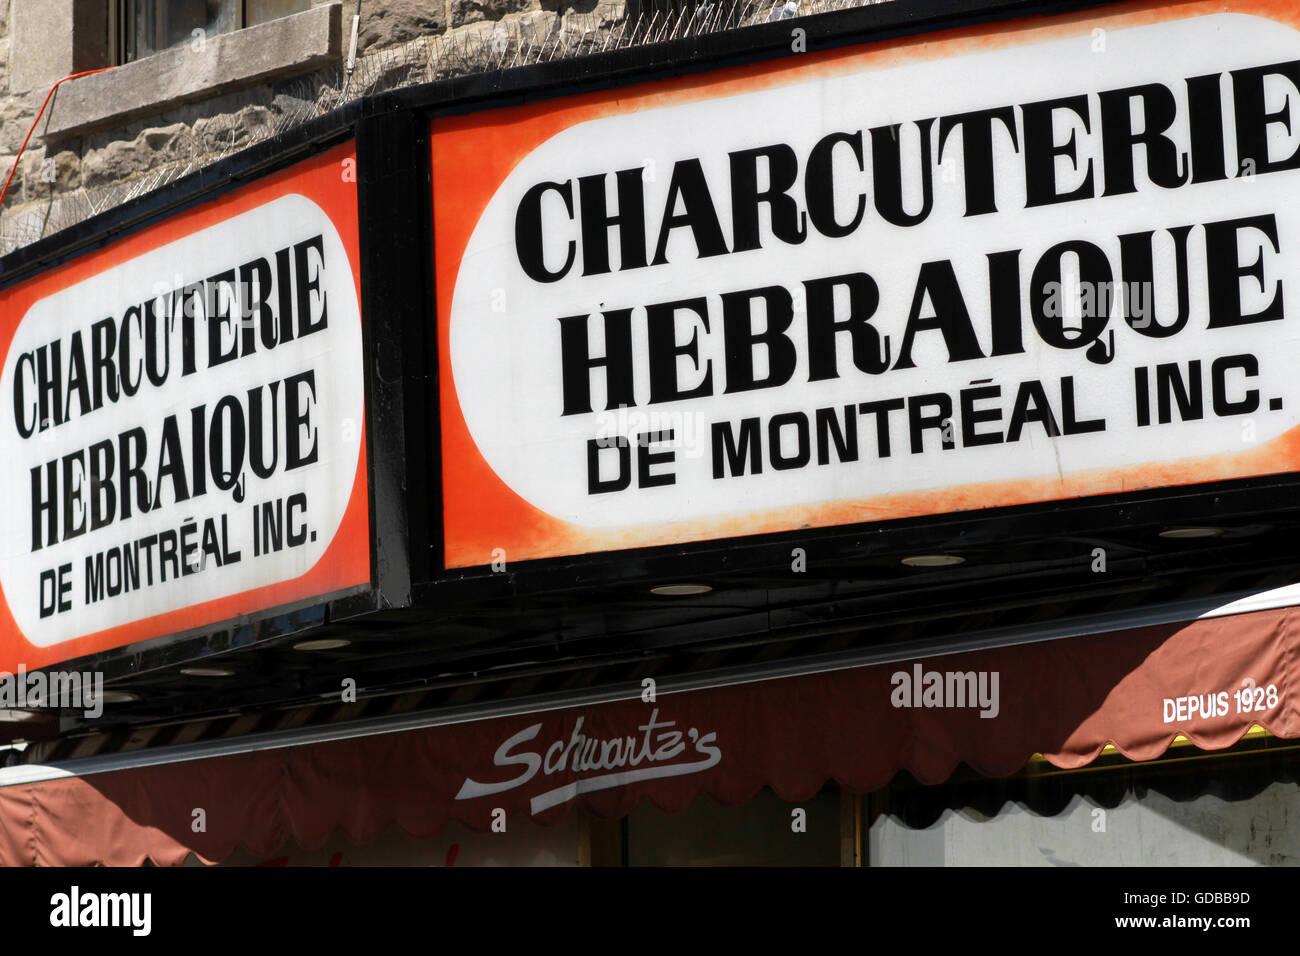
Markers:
point(183, 425)
point(1015, 263)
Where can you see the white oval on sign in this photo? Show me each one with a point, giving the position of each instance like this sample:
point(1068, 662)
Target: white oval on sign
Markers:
point(230, 463)
point(507, 363)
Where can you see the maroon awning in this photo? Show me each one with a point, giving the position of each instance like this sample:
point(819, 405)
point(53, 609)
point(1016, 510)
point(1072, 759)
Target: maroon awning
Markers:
point(1209, 680)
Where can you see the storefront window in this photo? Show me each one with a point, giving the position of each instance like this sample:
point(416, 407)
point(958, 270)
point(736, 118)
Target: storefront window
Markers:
point(1207, 810)
point(764, 831)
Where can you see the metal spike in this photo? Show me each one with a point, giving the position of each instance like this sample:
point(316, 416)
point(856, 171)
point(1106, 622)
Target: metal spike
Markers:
point(423, 61)
point(718, 16)
point(692, 25)
point(706, 24)
point(670, 28)
point(676, 29)
point(650, 28)
point(514, 47)
point(703, 23)
point(506, 48)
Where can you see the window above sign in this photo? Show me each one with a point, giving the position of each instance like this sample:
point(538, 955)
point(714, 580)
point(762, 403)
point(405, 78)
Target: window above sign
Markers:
point(172, 53)
point(140, 28)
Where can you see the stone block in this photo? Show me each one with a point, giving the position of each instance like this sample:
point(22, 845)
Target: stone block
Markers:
point(124, 160)
point(472, 11)
point(387, 22)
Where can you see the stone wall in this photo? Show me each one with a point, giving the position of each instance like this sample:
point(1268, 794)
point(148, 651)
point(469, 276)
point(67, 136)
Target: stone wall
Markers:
point(67, 177)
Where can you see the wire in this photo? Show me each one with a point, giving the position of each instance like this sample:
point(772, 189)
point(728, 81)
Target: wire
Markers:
point(41, 112)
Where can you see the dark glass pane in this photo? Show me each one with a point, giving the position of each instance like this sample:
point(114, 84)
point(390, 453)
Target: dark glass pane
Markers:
point(759, 832)
point(260, 11)
point(150, 26)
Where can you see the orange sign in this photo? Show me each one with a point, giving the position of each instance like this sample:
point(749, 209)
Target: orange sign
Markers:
point(183, 422)
point(1010, 263)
